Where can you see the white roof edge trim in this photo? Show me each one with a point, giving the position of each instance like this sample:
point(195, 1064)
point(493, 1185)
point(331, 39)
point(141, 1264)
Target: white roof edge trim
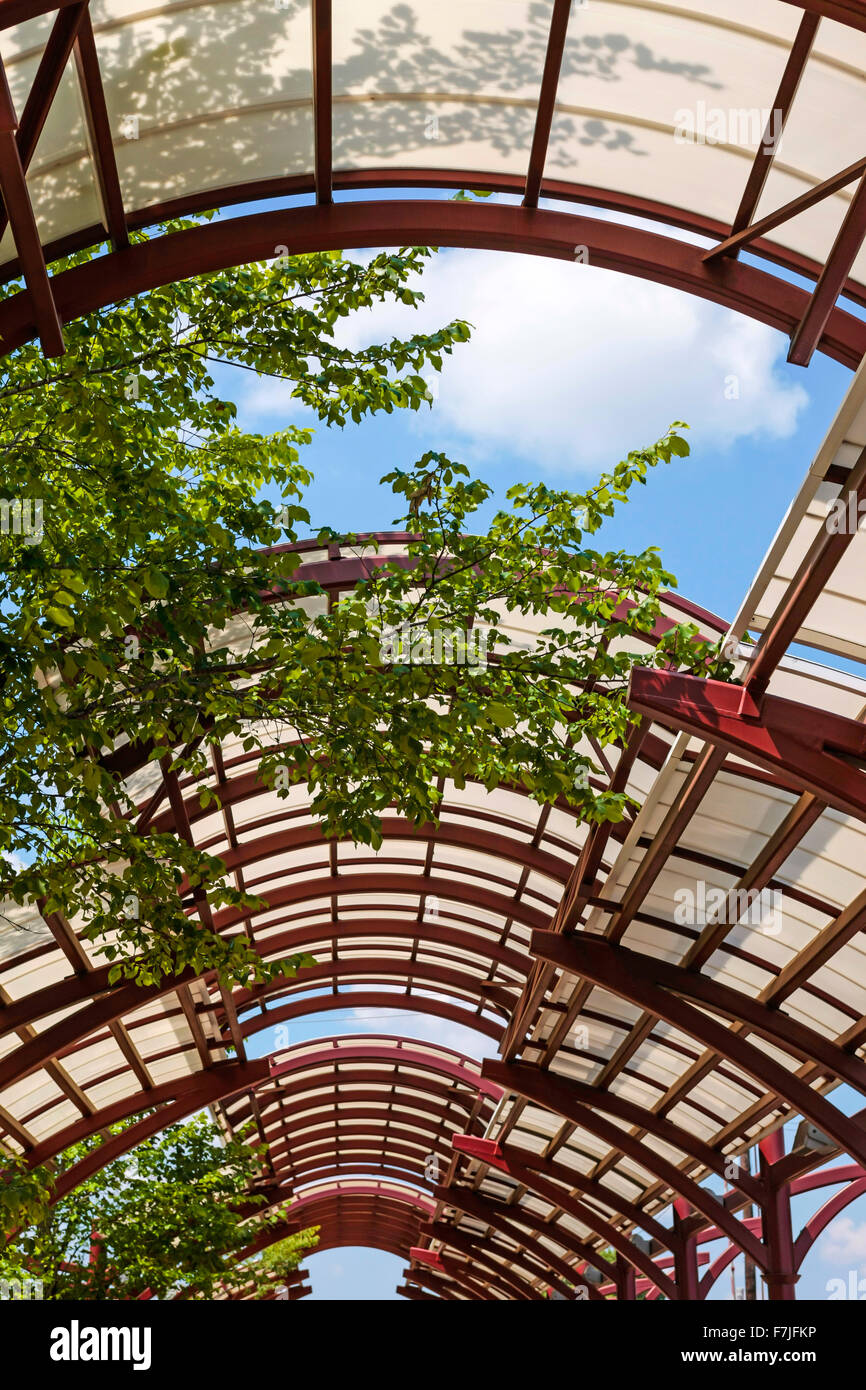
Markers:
point(852, 403)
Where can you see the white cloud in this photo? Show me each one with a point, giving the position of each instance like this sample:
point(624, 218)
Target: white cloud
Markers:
point(568, 363)
point(423, 1027)
point(844, 1241)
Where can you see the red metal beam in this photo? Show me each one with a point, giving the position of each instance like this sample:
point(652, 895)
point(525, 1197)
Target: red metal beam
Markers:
point(780, 111)
point(297, 837)
point(235, 241)
point(528, 1258)
point(546, 100)
point(852, 12)
point(381, 999)
point(574, 899)
point(361, 1087)
point(586, 1215)
point(336, 1156)
point(364, 1153)
point(348, 1223)
point(608, 967)
point(373, 1230)
point(54, 58)
point(19, 11)
point(262, 190)
point(846, 247)
point(338, 1166)
point(569, 1099)
point(589, 195)
point(821, 750)
point(126, 998)
point(360, 1104)
point(79, 989)
point(431, 1126)
point(401, 1052)
point(824, 1215)
point(374, 970)
point(478, 1271)
point(594, 955)
point(460, 1275)
point(336, 1230)
point(100, 137)
point(524, 1166)
point(434, 1282)
point(485, 1283)
point(781, 1272)
point(797, 205)
point(221, 1082)
point(376, 1229)
point(819, 562)
point(494, 1217)
point(322, 98)
point(491, 1258)
point(230, 1078)
point(426, 1257)
point(63, 1037)
point(508, 1220)
point(349, 884)
point(314, 1141)
point(38, 298)
point(375, 1191)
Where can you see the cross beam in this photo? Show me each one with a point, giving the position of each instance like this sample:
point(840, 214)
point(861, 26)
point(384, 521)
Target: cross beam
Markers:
point(626, 974)
point(821, 750)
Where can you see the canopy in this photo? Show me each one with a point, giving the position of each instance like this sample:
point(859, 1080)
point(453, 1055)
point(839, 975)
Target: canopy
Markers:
point(742, 121)
point(646, 1040)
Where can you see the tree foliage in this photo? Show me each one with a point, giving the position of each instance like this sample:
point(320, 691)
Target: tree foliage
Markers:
point(172, 1216)
point(161, 607)
point(150, 539)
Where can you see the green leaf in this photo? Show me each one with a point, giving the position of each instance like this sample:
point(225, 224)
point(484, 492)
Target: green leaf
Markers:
point(155, 582)
point(60, 616)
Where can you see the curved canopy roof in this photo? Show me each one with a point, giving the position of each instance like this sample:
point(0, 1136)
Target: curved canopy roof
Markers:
point(640, 1048)
point(743, 120)
point(639, 1053)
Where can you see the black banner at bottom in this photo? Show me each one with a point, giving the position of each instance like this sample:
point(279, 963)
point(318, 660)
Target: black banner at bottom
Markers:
point(57, 1340)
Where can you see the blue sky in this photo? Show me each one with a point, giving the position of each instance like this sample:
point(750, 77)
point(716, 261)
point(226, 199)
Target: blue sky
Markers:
point(568, 368)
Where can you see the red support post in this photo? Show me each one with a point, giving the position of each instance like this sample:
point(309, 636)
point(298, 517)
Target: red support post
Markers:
point(781, 1270)
point(626, 1280)
point(686, 1252)
point(547, 100)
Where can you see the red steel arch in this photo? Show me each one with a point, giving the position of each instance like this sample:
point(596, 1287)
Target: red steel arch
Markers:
point(630, 250)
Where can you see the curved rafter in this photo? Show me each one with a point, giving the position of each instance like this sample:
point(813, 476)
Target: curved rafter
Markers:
point(630, 250)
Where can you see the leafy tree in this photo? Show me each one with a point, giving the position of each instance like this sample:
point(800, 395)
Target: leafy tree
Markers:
point(122, 624)
point(172, 1216)
point(143, 503)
